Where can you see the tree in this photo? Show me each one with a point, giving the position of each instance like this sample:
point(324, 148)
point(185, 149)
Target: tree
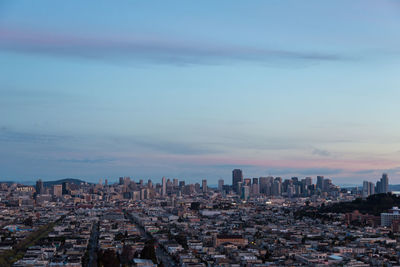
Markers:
point(149, 252)
point(108, 258)
point(195, 205)
point(28, 221)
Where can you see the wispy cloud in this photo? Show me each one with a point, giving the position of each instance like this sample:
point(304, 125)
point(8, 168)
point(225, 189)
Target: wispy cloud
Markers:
point(9, 135)
point(159, 50)
point(166, 146)
point(88, 161)
point(321, 152)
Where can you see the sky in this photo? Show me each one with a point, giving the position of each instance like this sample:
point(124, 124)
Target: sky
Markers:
point(193, 89)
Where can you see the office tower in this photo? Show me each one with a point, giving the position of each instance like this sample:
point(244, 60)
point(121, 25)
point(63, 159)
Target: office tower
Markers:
point(197, 188)
point(65, 188)
point(366, 189)
point(384, 183)
point(204, 186)
point(326, 185)
point(237, 177)
point(39, 187)
point(378, 187)
point(277, 186)
point(320, 182)
point(164, 187)
point(247, 182)
point(255, 188)
point(175, 182)
point(290, 190)
point(121, 180)
point(371, 188)
point(181, 184)
point(220, 184)
point(286, 184)
point(245, 192)
point(308, 181)
point(265, 185)
point(149, 184)
point(57, 190)
point(105, 182)
point(239, 187)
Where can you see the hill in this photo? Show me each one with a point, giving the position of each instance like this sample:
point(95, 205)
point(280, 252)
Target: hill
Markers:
point(68, 180)
point(374, 205)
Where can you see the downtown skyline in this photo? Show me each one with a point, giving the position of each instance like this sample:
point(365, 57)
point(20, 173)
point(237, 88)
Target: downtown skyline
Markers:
point(194, 90)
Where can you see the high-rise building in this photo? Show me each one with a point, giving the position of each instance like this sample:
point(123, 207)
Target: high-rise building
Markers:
point(39, 187)
point(164, 187)
point(197, 188)
point(204, 186)
point(247, 182)
point(308, 181)
point(385, 183)
point(245, 192)
point(366, 189)
point(320, 182)
point(237, 177)
point(265, 185)
point(220, 184)
point(175, 182)
point(57, 190)
point(326, 185)
point(371, 188)
point(66, 188)
point(277, 186)
point(378, 187)
point(255, 188)
point(382, 186)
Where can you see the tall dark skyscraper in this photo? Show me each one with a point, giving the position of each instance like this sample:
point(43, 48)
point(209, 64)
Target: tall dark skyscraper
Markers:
point(204, 186)
point(237, 177)
point(320, 182)
point(39, 187)
point(384, 183)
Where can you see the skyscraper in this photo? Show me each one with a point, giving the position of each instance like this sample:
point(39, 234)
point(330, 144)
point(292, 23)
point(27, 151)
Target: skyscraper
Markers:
point(320, 182)
point(220, 184)
point(39, 187)
point(308, 181)
point(385, 183)
point(57, 190)
point(245, 192)
point(237, 177)
point(204, 186)
point(277, 186)
point(65, 188)
point(265, 185)
point(255, 188)
point(247, 181)
point(366, 189)
point(164, 187)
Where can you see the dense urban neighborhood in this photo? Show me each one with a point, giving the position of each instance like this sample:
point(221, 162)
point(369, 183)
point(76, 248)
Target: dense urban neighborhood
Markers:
point(262, 221)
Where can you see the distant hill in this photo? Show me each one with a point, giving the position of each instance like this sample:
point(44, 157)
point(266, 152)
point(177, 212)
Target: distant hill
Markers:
point(68, 180)
point(374, 205)
point(394, 187)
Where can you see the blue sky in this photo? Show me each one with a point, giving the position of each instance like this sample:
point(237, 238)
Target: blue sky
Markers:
point(194, 89)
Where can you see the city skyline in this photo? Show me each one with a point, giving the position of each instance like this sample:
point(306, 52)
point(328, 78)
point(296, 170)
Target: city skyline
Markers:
point(194, 90)
point(231, 182)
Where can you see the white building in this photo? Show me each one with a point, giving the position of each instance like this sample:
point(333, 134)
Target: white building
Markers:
point(387, 218)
